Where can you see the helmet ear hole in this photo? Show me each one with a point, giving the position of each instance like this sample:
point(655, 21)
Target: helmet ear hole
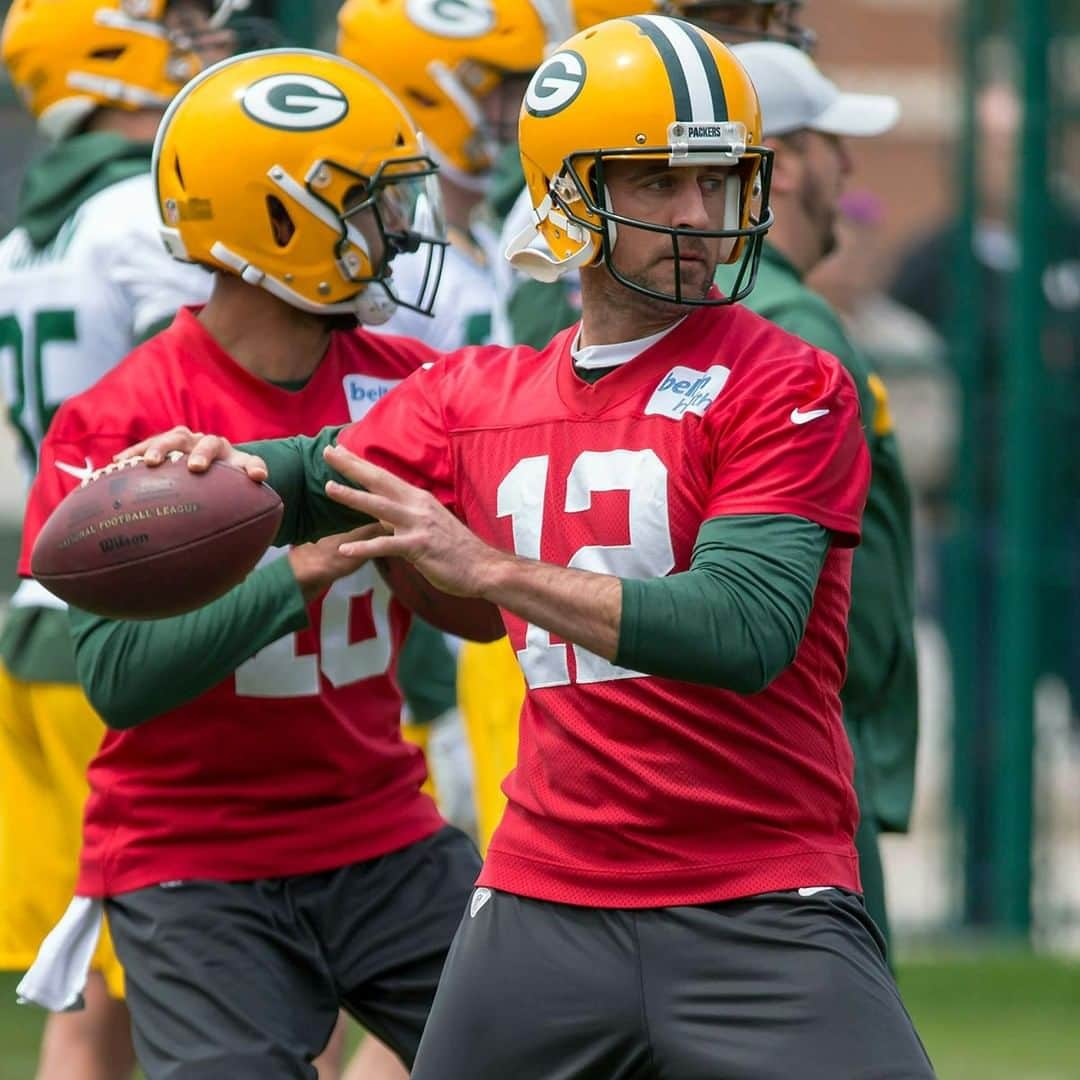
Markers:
point(281, 224)
point(113, 53)
point(419, 98)
point(179, 171)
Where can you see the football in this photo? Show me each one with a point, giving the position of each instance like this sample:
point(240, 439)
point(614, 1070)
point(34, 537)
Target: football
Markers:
point(134, 542)
point(472, 619)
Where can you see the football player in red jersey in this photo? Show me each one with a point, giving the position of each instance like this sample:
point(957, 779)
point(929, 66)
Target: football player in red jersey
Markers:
point(663, 503)
point(255, 827)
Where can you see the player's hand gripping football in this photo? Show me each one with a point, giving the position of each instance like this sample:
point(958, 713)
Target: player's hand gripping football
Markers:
point(317, 566)
point(417, 527)
point(201, 450)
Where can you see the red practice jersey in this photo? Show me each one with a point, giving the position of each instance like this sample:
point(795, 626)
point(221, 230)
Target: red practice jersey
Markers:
point(630, 790)
point(295, 763)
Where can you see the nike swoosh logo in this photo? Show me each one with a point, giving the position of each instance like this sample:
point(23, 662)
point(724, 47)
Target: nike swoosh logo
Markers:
point(799, 417)
point(84, 473)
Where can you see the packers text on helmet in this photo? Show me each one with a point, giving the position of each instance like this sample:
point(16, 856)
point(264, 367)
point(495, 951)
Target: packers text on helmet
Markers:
point(647, 87)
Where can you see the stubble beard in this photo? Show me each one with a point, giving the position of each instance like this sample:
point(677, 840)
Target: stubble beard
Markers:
point(821, 215)
point(652, 277)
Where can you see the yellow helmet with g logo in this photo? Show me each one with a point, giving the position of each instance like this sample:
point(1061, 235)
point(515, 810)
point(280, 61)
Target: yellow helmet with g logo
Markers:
point(444, 57)
point(646, 86)
point(303, 175)
point(68, 57)
point(590, 12)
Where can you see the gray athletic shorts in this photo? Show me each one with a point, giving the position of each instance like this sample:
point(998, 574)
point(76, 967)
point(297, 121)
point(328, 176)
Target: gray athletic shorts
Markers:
point(772, 987)
point(242, 980)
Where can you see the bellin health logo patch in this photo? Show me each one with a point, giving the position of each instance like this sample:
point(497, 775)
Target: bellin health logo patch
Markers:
point(684, 390)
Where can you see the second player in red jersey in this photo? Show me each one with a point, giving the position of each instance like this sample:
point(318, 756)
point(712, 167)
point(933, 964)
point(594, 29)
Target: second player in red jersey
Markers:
point(308, 768)
point(256, 827)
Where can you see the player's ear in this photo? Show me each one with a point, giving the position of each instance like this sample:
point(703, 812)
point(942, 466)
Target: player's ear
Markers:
point(787, 164)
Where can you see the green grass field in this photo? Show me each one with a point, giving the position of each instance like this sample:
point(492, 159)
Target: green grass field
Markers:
point(987, 1016)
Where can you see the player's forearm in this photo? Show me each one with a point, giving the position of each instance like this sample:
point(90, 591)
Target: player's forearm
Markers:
point(298, 473)
point(134, 671)
point(576, 605)
point(736, 618)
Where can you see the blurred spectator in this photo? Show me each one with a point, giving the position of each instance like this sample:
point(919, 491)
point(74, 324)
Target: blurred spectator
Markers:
point(925, 279)
point(925, 282)
point(909, 356)
point(901, 345)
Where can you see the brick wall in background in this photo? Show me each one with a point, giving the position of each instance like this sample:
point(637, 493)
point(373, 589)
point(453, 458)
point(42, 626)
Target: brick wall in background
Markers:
point(905, 48)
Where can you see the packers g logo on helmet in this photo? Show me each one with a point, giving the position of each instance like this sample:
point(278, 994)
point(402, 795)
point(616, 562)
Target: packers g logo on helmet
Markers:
point(556, 83)
point(314, 199)
point(452, 18)
point(658, 90)
point(295, 102)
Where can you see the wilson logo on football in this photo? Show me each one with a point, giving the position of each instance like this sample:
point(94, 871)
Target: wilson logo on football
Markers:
point(295, 102)
point(452, 18)
point(684, 390)
point(556, 83)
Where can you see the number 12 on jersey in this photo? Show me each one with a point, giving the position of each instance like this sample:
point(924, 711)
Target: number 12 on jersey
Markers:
point(522, 495)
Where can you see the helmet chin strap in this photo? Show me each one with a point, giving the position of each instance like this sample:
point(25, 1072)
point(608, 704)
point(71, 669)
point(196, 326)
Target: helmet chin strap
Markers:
point(224, 10)
point(558, 21)
point(541, 264)
point(468, 106)
point(116, 90)
point(372, 307)
point(612, 230)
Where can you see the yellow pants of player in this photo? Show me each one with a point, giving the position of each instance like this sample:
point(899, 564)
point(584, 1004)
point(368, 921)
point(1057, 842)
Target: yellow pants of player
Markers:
point(490, 691)
point(48, 734)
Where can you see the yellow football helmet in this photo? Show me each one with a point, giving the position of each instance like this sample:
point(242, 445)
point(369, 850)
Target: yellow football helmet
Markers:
point(734, 21)
point(644, 86)
point(302, 174)
point(590, 12)
point(444, 57)
point(67, 57)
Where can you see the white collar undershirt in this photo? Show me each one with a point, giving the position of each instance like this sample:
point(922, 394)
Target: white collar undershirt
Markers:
point(598, 357)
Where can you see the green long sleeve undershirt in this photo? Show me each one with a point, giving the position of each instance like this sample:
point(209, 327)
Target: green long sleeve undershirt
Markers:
point(734, 619)
point(134, 671)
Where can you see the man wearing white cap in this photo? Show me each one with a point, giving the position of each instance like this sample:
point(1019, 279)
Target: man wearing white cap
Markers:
point(806, 119)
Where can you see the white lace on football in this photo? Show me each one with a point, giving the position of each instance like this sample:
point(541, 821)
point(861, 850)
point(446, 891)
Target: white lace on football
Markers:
point(127, 463)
